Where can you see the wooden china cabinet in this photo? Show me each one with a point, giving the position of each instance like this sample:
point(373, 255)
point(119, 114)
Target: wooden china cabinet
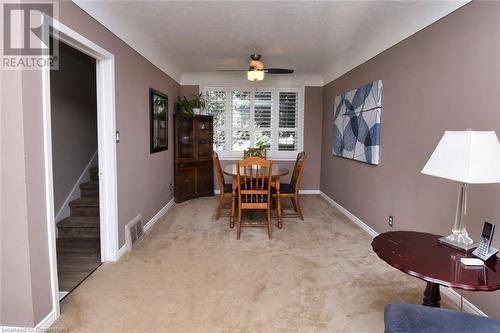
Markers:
point(193, 139)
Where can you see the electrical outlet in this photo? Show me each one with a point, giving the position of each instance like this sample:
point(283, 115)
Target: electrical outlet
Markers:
point(171, 188)
point(391, 221)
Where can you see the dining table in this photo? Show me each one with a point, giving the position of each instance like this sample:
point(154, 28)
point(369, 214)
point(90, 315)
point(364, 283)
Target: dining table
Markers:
point(276, 173)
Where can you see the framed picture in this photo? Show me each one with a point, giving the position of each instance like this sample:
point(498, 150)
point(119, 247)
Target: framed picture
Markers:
point(158, 106)
point(356, 123)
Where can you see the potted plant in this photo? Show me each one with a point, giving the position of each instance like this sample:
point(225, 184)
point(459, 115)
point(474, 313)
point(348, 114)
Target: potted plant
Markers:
point(183, 105)
point(198, 103)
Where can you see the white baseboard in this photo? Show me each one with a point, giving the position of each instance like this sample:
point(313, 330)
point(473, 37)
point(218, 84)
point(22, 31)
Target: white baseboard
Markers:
point(64, 210)
point(452, 295)
point(305, 192)
point(150, 223)
point(122, 251)
point(350, 216)
point(42, 326)
point(158, 215)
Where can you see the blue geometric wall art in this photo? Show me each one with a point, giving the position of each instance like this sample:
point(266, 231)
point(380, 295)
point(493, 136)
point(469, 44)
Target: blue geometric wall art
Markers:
point(356, 123)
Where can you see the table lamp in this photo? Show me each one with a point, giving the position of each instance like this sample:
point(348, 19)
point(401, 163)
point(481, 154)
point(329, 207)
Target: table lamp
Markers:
point(468, 157)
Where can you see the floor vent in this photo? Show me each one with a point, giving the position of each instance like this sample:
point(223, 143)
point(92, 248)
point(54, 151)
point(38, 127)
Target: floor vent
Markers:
point(134, 232)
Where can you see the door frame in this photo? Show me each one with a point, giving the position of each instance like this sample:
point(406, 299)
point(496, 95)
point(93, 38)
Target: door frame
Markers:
point(106, 131)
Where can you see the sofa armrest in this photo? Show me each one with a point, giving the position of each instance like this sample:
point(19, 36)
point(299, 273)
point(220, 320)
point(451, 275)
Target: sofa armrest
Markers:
point(399, 318)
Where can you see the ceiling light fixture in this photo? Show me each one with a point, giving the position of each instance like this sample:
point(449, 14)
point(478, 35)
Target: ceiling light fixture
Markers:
point(255, 75)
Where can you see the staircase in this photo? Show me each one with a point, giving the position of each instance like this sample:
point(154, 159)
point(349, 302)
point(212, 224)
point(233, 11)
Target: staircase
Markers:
point(78, 242)
point(83, 221)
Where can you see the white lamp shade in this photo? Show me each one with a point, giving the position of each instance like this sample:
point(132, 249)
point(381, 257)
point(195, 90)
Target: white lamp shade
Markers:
point(470, 157)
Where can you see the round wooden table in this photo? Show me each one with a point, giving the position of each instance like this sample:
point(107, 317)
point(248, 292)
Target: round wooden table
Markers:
point(276, 173)
point(421, 255)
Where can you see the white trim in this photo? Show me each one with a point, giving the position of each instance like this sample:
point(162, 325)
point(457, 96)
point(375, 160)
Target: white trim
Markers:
point(273, 153)
point(122, 251)
point(309, 192)
point(49, 190)
point(158, 215)
point(75, 191)
point(106, 149)
point(455, 297)
point(452, 294)
point(350, 216)
point(150, 223)
point(46, 322)
point(106, 128)
point(42, 326)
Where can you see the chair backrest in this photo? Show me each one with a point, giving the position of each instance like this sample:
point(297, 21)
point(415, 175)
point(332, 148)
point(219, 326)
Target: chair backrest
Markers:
point(298, 170)
point(255, 152)
point(218, 171)
point(254, 179)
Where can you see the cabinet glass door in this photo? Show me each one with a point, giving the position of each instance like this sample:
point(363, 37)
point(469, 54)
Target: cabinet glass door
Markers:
point(185, 143)
point(204, 138)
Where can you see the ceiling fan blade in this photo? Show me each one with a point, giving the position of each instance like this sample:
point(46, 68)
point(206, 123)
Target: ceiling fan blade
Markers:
point(278, 71)
point(232, 70)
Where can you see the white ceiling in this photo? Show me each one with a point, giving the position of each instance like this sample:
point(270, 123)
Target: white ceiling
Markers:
point(328, 38)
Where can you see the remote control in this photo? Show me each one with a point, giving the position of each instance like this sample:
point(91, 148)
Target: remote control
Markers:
point(471, 261)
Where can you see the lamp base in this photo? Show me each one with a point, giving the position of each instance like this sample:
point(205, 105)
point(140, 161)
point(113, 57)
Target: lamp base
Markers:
point(458, 243)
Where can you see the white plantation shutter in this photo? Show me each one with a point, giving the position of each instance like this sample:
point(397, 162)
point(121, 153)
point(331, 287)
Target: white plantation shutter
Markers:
point(250, 117)
point(263, 116)
point(216, 105)
point(240, 115)
point(288, 121)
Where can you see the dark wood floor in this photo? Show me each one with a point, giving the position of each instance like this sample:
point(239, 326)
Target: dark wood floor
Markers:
point(77, 258)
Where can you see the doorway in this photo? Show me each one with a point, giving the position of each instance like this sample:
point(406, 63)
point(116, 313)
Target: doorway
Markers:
point(73, 100)
point(106, 150)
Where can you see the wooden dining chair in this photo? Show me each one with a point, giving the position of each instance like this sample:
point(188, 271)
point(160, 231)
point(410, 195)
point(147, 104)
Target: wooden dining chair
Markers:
point(292, 189)
point(254, 191)
point(226, 190)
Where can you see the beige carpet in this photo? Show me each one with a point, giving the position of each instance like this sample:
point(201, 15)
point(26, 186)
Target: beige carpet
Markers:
point(191, 275)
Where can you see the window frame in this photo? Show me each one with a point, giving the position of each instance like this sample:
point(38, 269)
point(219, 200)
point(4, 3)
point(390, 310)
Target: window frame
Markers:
point(273, 153)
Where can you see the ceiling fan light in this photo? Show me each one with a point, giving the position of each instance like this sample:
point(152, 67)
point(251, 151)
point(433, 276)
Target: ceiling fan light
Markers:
point(255, 75)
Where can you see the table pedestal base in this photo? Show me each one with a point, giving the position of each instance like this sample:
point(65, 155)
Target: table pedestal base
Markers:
point(432, 296)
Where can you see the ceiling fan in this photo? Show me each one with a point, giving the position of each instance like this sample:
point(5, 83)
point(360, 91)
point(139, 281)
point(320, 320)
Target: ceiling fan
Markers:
point(256, 70)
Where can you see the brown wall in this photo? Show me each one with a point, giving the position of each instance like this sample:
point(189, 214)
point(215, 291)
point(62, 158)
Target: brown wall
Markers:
point(15, 279)
point(445, 77)
point(143, 179)
point(74, 119)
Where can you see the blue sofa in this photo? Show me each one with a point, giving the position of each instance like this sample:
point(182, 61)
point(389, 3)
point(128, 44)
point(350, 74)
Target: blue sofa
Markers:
point(399, 318)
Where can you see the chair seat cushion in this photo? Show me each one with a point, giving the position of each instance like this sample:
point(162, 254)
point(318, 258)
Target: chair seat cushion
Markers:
point(412, 318)
point(228, 188)
point(286, 188)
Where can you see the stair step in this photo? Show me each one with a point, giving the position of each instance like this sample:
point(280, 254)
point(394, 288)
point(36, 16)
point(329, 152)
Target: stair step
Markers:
point(79, 227)
point(77, 245)
point(85, 206)
point(94, 173)
point(90, 189)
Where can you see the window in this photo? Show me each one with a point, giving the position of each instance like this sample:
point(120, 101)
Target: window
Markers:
point(245, 118)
